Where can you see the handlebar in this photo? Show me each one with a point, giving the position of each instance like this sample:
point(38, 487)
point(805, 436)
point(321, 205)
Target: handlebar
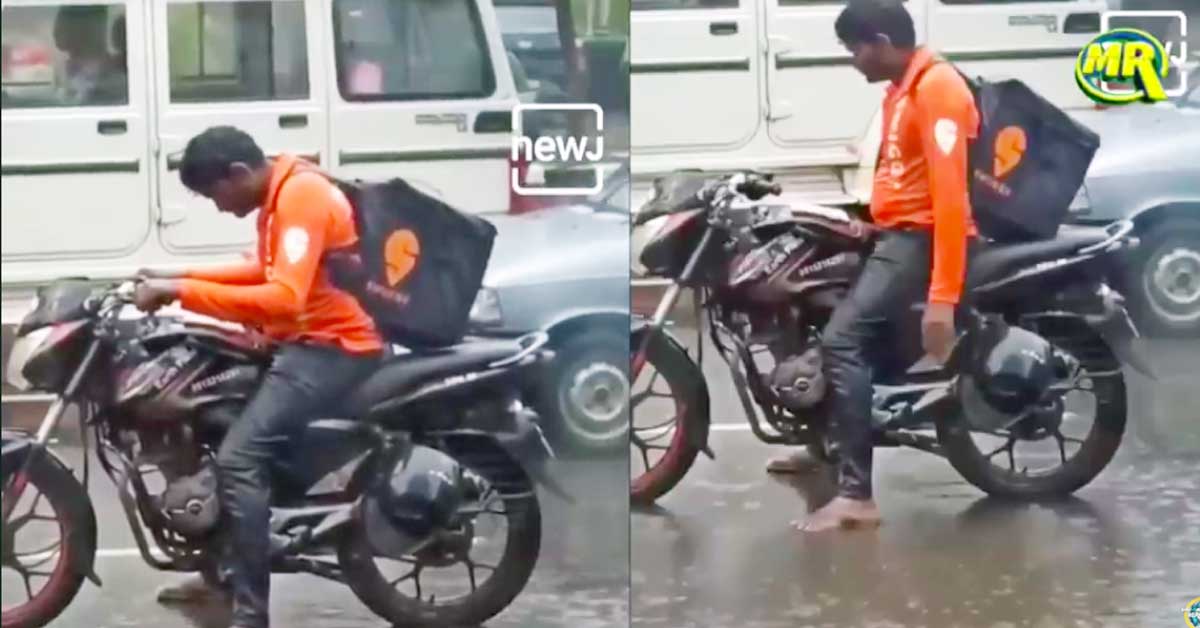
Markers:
point(1118, 237)
point(758, 187)
point(750, 184)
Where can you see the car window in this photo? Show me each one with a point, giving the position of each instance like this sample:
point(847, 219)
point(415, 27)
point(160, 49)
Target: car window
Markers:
point(675, 5)
point(237, 51)
point(412, 50)
point(527, 19)
point(64, 56)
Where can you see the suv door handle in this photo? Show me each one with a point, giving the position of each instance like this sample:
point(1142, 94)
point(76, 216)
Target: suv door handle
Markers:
point(111, 127)
point(1082, 23)
point(723, 28)
point(293, 121)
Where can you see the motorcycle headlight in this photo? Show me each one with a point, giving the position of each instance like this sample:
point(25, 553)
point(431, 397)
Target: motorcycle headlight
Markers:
point(486, 309)
point(23, 349)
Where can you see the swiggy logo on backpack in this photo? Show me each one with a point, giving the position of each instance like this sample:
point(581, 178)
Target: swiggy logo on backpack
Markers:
point(400, 254)
point(1007, 151)
point(401, 251)
point(1010, 148)
point(1122, 66)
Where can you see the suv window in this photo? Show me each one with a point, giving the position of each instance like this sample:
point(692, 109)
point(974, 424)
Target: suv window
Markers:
point(64, 56)
point(237, 51)
point(412, 50)
point(674, 5)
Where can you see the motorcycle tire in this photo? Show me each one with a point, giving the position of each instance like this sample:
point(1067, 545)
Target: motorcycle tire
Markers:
point(1093, 455)
point(78, 533)
point(679, 372)
point(502, 586)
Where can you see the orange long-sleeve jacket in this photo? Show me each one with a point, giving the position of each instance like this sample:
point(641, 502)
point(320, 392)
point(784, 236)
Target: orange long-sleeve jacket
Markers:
point(921, 177)
point(285, 292)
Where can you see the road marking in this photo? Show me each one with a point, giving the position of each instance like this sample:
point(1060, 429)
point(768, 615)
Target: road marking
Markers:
point(128, 552)
point(730, 427)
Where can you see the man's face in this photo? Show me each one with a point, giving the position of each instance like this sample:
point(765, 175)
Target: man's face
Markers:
point(867, 58)
point(235, 194)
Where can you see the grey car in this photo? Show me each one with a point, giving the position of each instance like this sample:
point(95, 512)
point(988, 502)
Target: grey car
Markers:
point(565, 269)
point(1148, 168)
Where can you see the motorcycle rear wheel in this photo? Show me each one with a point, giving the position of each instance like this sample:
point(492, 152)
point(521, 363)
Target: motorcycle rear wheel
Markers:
point(66, 497)
point(1093, 455)
point(504, 583)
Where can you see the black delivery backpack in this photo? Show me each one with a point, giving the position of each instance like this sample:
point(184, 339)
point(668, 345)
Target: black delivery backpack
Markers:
point(418, 264)
point(1027, 163)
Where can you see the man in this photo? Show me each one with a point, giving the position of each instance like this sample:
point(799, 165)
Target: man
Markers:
point(920, 200)
point(327, 342)
point(91, 75)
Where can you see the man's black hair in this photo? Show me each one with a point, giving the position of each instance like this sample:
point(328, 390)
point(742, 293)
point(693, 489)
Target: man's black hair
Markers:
point(863, 21)
point(208, 156)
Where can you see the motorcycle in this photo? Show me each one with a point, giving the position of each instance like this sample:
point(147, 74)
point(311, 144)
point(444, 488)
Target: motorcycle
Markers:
point(432, 460)
point(1039, 329)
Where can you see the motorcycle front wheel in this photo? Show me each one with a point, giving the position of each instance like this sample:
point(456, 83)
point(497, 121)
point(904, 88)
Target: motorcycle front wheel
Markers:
point(664, 403)
point(46, 535)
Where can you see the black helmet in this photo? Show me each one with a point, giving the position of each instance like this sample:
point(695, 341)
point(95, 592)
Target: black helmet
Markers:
point(423, 494)
point(1013, 369)
point(424, 491)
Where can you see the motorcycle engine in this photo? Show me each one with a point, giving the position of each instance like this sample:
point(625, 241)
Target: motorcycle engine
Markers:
point(190, 503)
point(798, 379)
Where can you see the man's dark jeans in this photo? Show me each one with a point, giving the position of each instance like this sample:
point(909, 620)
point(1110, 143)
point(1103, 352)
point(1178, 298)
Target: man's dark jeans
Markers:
point(303, 382)
point(876, 328)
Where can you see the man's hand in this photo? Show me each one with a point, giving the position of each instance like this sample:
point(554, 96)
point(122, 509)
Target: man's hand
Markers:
point(937, 330)
point(152, 294)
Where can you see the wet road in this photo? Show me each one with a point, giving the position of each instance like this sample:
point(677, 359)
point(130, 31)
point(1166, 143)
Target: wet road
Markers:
point(581, 578)
point(1124, 553)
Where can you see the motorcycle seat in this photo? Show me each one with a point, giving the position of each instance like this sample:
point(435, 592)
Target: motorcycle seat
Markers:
point(402, 373)
point(996, 260)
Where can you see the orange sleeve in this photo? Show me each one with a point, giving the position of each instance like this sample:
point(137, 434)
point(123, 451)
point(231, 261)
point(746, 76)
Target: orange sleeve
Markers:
point(948, 119)
point(244, 273)
point(301, 224)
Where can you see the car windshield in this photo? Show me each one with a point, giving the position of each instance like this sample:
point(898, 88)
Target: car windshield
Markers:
point(614, 196)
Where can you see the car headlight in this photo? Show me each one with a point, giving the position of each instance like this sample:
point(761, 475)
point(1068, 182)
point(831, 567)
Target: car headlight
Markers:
point(1081, 204)
point(486, 309)
point(22, 350)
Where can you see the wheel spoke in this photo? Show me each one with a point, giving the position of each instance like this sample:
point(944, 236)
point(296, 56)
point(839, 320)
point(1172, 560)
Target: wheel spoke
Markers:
point(669, 422)
point(28, 587)
point(998, 450)
point(413, 573)
point(1062, 440)
point(471, 573)
point(658, 436)
point(648, 394)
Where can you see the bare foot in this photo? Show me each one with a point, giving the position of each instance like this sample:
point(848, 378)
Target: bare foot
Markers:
point(842, 513)
point(799, 462)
